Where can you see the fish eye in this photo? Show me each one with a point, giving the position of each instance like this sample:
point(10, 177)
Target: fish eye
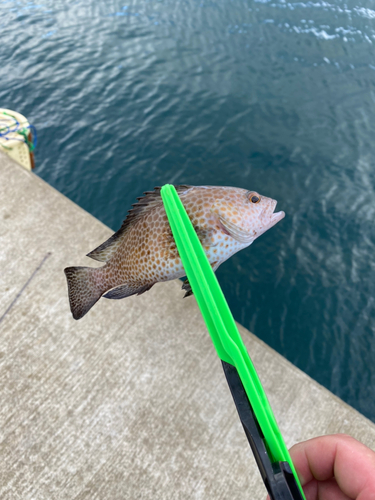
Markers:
point(254, 198)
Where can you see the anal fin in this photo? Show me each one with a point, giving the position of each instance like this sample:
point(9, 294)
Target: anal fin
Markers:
point(127, 290)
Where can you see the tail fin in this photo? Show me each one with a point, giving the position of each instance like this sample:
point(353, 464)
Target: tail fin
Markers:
point(83, 290)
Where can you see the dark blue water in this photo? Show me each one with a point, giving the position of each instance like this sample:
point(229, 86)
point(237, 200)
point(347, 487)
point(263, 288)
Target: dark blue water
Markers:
point(273, 96)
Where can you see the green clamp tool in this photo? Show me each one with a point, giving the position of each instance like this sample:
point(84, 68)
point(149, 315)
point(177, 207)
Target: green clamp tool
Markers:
point(264, 436)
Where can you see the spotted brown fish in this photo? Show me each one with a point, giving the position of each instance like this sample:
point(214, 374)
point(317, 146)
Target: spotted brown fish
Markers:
point(143, 252)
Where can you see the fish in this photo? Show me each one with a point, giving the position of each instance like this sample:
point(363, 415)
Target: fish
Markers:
point(143, 251)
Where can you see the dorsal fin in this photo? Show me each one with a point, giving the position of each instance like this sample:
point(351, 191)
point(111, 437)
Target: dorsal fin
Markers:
point(145, 204)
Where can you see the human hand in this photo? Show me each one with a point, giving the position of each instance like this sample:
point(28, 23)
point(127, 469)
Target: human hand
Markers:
point(336, 467)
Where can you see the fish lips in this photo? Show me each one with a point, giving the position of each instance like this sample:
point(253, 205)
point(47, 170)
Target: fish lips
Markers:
point(276, 217)
point(270, 217)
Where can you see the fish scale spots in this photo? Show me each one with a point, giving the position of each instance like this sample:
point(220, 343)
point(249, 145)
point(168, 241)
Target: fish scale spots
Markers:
point(147, 253)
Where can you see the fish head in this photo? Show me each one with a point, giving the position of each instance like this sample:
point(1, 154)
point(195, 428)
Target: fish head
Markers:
point(246, 215)
point(259, 213)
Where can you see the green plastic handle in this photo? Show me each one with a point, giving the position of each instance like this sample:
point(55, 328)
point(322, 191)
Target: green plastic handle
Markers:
point(221, 325)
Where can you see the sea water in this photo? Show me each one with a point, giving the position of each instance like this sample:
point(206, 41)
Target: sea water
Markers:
point(271, 95)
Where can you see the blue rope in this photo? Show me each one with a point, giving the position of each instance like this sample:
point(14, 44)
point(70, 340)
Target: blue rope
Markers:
point(6, 129)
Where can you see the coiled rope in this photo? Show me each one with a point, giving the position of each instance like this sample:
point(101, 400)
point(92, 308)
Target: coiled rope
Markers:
point(27, 133)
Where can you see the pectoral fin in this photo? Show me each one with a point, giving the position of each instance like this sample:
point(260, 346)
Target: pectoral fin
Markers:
point(235, 231)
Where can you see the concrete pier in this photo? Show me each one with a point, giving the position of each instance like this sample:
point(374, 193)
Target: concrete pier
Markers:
point(131, 401)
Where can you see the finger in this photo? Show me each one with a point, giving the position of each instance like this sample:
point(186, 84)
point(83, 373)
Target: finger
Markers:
point(339, 456)
point(330, 490)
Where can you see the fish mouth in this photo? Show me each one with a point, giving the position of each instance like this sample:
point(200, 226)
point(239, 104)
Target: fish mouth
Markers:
point(277, 216)
point(271, 217)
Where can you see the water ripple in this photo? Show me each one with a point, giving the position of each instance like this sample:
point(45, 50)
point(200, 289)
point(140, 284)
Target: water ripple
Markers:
point(276, 96)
